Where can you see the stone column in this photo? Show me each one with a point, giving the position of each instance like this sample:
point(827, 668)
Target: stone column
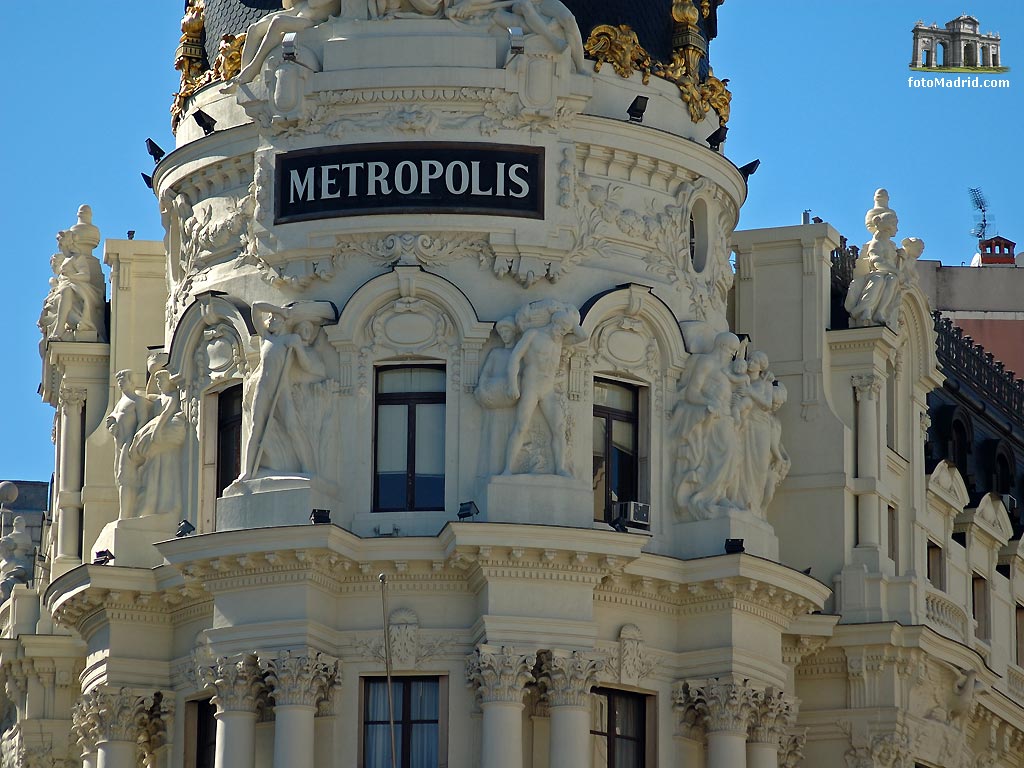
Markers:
point(726, 708)
point(112, 721)
point(83, 731)
point(567, 680)
point(867, 386)
point(500, 678)
point(240, 691)
point(69, 496)
point(298, 684)
point(770, 720)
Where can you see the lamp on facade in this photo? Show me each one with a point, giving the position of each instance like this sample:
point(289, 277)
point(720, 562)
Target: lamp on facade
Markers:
point(468, 510)
point(749, 169)
point(154, 151)
point(320, 517)
point(734, 546)
point(516, 42)
point(147, 180)
point(204, 121)
point(103, 557)
point(184, 529)
point(636, 109)
point(716, 139)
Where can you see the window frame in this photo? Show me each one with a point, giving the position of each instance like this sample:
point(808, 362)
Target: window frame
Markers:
point(197, 753)
point(981, 609)
point(611, 415)
point(642, 740)
point(406, 682)
point(223, 424)
point(934, 549)
point(411, 400)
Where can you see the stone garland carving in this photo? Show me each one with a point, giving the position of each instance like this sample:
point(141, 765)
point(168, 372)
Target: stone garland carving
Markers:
point(288, 406)
point(546, 327)
point(633, 662)
point(729, 454)
point(16, 555)
point(75, 307)
point(567, 679)
point(501, 676)
point(409, 648)
point(883, 272)
point(295, 680)
point(620, 46)
point(435, 249)
point(238, 683)
point(151, 455)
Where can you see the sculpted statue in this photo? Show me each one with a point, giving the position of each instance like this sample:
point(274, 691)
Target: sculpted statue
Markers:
point(547, 327)
point(15, 558)
point(756, 434)
point(266, 34)
point(550, 19)
point(882, 271)
point(495, 397)
point(391, 9)
point(129, 413)
point(285, 389)
point(74, 309)
point(156, 450)
point(779, 462)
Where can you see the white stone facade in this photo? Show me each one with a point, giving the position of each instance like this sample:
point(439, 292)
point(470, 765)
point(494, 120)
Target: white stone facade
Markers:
point(258, 640)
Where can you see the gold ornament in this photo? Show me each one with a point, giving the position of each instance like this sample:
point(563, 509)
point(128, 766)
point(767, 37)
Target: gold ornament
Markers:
point(188, 58)
point(620, 46)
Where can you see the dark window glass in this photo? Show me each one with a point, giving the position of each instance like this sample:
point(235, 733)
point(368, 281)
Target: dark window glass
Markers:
point(416, 702)
point(618, 729)
point(979, 606)
point(959, 447)
point(616, 464)
point(229, 437)
point(409, 454)
point(935, 570)
point(206, 734)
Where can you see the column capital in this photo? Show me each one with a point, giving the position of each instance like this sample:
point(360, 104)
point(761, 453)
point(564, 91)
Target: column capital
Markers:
point(237, 681)
point(296, 680)
point(791, 751)
point(772, 715)
point(499, 675)
point(105, 714)
point(866, 385)
point(724, 705)
point(568, 678)
point(71, 398)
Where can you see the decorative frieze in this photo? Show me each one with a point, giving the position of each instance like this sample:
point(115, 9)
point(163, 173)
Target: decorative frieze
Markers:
point(499, 676)
point(568, 678)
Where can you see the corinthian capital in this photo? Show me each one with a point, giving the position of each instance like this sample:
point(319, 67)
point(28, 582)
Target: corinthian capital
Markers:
point(568, 678)
point(71, 398)
point(771, 717)
point(499, 675)
point(300, 680)
point(725, 706)
point(105, 714)
point(238, 682)
point(867, 386)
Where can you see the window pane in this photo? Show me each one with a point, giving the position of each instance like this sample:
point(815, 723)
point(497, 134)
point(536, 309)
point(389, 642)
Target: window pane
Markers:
point(628, 716)
point(377, 700)
point(599, 759)
point(392, 451)
point(423, 749)
point(377, 750)
point(424, 699)
point(413, 379)
point(598, 713)
point(627, 754)
point(600, 468)
point(616, 396)
point(430, 456)
point(623, 462)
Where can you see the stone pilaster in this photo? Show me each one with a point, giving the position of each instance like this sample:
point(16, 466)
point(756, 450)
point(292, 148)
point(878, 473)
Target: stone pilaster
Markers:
point(567, 680)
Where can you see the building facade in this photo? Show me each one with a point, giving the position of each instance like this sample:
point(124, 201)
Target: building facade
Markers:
point(322, 493)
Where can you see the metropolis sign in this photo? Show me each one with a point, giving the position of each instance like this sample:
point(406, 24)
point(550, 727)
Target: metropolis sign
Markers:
point(490, 179)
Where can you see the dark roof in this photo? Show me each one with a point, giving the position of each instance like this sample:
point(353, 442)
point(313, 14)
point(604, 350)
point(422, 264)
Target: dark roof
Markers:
point(33, 496)
point(650, 19)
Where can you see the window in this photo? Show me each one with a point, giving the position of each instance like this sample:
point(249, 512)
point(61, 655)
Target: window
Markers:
point(890, 405)
point(894, 536)
point(410, 439)
point(201, 734)
point(229, 437)
point(959, 446)
point(1019, 637)
point(979, 606)
point(618, 729)
point(616, 461)
point(419, 740)
point(936, 573)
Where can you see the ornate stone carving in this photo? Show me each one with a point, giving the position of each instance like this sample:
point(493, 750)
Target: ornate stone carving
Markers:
point(501, 675)
point(430, 250)
point(155, 727)
point(154, 453)
point(131, 411)
point(620, 46)
point(772, 717)
point(410, 649)
point(725, 706)
point(567, 679)
point(105, 714)
point(883, 272)
point(74, 309)
point(300, 680)
point(189, 58)
point(16, 552)
point(547, 327)
point(237, 681)
point(867, 386)
point(495, 397)
point(791, 751)
point(633, 662)
point(289, 404)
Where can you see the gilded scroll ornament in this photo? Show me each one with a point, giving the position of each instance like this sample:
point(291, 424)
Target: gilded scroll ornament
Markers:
point(620, 46)
point(189, 57)
point(229, 57)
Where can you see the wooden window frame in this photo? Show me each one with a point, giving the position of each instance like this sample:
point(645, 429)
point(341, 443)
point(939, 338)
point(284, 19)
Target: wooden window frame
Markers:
point(633, 418)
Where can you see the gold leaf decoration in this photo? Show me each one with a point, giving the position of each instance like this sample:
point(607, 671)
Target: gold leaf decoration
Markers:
point(621, 47)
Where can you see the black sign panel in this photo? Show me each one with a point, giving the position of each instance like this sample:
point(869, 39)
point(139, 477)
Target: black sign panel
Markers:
point(490, 179)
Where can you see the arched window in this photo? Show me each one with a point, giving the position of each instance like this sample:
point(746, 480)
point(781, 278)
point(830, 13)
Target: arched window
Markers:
point(229, 437)
point(699, 234)
point(1002, 481)
point(959, 445)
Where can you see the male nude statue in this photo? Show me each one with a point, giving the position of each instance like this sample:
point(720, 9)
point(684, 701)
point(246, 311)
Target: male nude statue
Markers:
point(268, 33)
point(537, 356)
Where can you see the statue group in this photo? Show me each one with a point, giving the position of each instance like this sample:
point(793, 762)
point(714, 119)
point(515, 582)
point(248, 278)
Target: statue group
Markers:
point(729, 450)
point(75, 307)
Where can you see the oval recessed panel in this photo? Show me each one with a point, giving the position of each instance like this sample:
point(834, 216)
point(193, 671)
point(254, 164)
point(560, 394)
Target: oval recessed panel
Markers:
point(626, 346)
point(408, 329)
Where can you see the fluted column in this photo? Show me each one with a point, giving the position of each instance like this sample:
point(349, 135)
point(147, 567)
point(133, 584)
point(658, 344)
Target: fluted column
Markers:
point(69, 497)
point(298, 684)
point(113, 721)
point(726, 708)
point(867, 386)
point(240, 690)
point(567, 680)
point(500, 678)
point(770, 719)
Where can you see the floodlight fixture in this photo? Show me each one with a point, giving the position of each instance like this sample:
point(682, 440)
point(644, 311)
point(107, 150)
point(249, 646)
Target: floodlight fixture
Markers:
point(103, 557)
point(204, 121)
point(147, 180)
point(516, 41)
point(619, 524)
point(716, 139)
point(131, 234)
point(320, 517)
point(468, 510)
point(154, 151)
point(184, 529)
point(749, 169)
point(734, 546)
point(637, 108)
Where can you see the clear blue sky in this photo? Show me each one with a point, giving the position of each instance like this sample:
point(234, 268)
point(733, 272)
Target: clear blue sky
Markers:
point(820, 96)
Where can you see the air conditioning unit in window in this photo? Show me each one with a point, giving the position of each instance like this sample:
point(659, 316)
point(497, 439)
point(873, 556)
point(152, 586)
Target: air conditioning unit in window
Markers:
point(1010, 502)
point(632, 514)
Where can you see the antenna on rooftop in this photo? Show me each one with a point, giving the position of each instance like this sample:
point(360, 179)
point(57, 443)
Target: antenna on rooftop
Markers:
point(982, 220)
